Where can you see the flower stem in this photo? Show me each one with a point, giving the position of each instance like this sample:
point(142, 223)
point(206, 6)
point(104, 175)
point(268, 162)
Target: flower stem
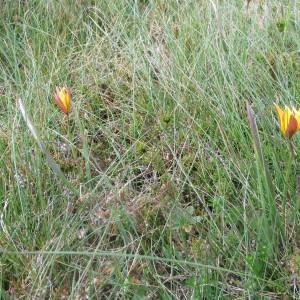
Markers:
point(292, 149)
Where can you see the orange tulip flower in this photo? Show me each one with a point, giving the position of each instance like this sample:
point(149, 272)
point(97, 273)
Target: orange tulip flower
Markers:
point(289, 120)
point(63, 98)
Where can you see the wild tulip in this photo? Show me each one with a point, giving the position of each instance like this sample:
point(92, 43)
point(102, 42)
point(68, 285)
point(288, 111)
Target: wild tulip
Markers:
point(289, 120)
point(63, 98)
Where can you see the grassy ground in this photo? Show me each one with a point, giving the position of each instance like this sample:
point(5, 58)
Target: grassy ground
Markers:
point(165, 197)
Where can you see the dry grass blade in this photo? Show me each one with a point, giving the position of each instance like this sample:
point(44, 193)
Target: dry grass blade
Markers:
point(257, 146)
point(51, 162)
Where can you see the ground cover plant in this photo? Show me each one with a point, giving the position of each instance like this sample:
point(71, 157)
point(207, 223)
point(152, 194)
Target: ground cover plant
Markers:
point(169, 176)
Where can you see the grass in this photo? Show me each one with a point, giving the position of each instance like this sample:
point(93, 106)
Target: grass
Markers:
point(163, 189)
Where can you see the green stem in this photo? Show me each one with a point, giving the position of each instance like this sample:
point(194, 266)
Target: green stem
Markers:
point(292, 149)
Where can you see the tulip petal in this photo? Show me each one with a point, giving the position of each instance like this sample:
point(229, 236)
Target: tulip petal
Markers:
point(297, 116)
point(292, 126)
point(281, 115)
point(61, 104)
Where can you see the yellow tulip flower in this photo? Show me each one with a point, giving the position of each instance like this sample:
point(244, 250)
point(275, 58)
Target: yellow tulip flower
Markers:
point(289, 120)
point(63, 99)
